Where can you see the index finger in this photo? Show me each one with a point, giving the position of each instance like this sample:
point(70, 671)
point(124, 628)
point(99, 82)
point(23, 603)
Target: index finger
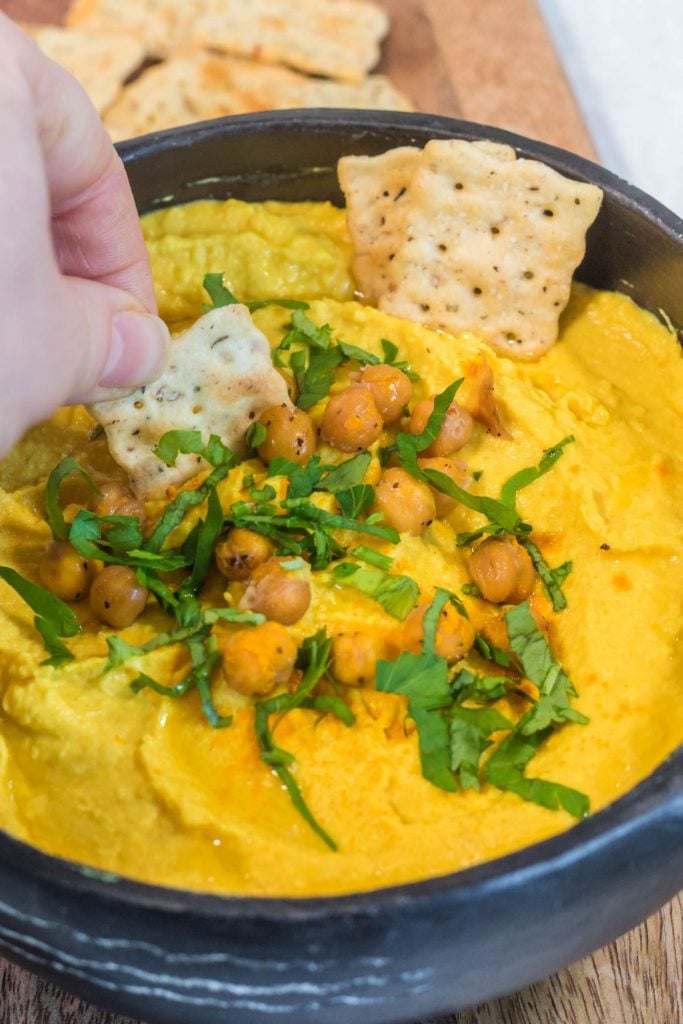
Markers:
point(95, 225)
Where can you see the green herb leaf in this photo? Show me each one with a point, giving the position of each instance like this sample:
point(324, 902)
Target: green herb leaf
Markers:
point(470, 729)
point(302, 330)
point(471, 589)
point(505, 769)
point(373, 557)
point(255, 435)
point(524, 477)
point(176, 510)
point(278, 759)
point(490, 652)
point(85, 535)
point(302, 479)
point(284, 303)
point(483, 688)
point(552, 578)
point(218, 293)
point(355, 501)
point(315, 381)
point(423, 679)
point(397, 594)
point(359, 354)
point(53, 618)
point(189, 442)
point(542, 668)
point(347, 474)
point(208, 534)
point(390, 352)
point(53, 510)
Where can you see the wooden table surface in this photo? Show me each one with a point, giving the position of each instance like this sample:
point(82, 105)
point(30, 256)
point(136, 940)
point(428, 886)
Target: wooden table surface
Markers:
point(489, 61)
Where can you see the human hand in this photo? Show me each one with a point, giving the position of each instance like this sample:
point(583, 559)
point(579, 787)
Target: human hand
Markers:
point(76, 289)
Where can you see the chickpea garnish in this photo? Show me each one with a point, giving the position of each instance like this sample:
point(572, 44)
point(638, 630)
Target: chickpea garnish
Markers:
point(351, 420)
point(456, 471)
point(290, 434)
point(454, 633)
point(277, 593)
point(390, 388)
point(355, 656)
point(240, 553)
point(502, 570)
point(116, 500)
point(116, 597)
point(455, 432)
point(256, 660)
point(406, 504)
point(65, 572)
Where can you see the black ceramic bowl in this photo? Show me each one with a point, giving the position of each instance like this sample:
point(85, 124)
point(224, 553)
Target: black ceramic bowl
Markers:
point(397, 954)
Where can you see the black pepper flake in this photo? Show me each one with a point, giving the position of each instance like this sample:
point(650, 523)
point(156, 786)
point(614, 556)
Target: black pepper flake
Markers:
point(548, 213)
point(458, 185)
point(399, 194)
point(605, 547)
point(477, 290)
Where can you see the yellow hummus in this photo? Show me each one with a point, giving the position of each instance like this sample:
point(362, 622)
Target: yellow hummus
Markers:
point(140, 784)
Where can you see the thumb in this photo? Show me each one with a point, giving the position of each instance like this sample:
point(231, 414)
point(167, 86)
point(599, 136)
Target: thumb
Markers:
point(83, 342)
point(109, 340)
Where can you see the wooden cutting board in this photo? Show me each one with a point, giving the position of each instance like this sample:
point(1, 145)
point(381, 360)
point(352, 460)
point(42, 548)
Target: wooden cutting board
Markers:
point(490, 61)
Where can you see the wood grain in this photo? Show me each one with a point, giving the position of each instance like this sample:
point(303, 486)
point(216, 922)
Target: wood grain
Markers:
point(489, 61)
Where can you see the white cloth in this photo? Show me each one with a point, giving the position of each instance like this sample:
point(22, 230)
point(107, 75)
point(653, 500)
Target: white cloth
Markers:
point(624, 59)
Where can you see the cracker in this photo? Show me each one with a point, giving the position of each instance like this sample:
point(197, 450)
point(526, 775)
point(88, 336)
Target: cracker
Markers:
point(100, 61)
point(199, 85)
point(337, 40)
point(160, 25)
point(377, 193)
point(219, 380)
point(490, 247)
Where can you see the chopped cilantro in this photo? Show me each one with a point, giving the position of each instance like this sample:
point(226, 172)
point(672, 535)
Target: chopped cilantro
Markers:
point(53, 618)
point(53, 510)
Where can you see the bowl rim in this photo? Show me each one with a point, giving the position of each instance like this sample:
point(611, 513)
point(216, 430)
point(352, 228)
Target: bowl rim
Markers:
point(655, 796)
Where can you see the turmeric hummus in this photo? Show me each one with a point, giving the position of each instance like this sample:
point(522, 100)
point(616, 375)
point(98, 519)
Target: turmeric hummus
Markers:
point(361, 781)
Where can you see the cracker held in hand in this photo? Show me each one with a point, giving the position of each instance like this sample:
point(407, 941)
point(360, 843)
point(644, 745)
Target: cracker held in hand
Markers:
point(219, 380)
point(488, 245)
point(377, 193)
point(201, 85)
point(100, 61)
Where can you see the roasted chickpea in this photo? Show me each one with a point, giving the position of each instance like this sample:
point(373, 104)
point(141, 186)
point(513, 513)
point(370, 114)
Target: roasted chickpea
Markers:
point(116, 597)
point(456, 471)
point(355, 656)
point(351, 420)
point(456, 429)
point(502, 570)
point(65, 572)
point(390, 388)
point(116, 500)
point(240, 553)
point(290, 434)
point(277, 593)
point(406, 504)
point(256, 660)
point(454, 634)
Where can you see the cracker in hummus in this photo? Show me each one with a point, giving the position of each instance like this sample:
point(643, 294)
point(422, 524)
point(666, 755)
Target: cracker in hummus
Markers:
point(377, 193)
point(489, 246)
point(219, 379)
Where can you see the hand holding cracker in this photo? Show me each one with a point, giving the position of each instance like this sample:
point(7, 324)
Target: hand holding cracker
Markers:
point(76, 287)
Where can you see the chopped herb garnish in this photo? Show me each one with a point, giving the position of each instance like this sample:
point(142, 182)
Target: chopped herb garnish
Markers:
point(505, 769)
point(189, 442)
point(53, 618)
point(373, 557)
point(470, 729)
point(53, 509)
point(397, 594)
point(552, 578)
point(255, 435)
point(423, 679)
point(471, 589)
point(218, 293)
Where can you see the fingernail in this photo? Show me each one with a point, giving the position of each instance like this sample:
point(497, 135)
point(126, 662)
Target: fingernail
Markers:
point(140, 345)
